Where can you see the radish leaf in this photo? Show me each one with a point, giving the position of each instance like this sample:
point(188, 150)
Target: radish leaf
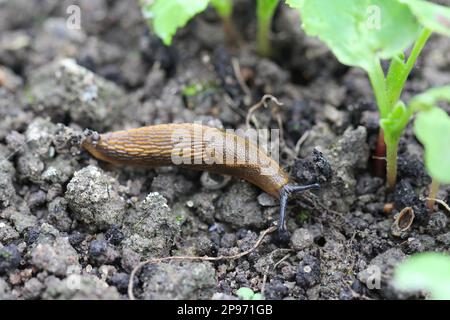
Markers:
point(359, 31)
point(432, 16)
point(425, 271)
point(166, 16)
point(432, 128)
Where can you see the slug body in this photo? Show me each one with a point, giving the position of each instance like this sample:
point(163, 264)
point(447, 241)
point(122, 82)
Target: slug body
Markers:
point(157, 145)
point(197, 147)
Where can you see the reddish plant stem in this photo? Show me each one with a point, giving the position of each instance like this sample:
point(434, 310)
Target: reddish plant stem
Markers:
point(379, 161)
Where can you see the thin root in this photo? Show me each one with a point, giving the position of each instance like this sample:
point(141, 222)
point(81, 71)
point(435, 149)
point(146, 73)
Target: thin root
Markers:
point(241, 81)
point(264, 102)
point(206, 258)
point(266, 272)
point(276, 114)
point(441, 202)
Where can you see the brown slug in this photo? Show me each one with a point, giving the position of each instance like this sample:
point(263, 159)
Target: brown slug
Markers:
point(198, 147)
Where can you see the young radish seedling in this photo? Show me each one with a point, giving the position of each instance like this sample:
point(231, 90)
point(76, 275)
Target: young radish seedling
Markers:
point(362, 33)
point(432, 128)
point(165, 17)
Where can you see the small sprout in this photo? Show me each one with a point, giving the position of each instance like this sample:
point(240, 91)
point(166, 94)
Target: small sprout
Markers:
point(428, 271)
point(432, 128)
point(247, 294)
point(302, 216)
point(265, 10)
point(29, 95)
point(192, 90)
point(402, 221)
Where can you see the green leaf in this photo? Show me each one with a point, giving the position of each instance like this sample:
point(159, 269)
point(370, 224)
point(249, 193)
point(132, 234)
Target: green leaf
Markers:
point(360, 31)
point(433, 16)
point(396, 69)
point(432, 128)
point(425, 271)
point(245, 293)
point(294, 3)
point(192, 90)
point(430, 98)
point(166, 16)
point(257, 296)
point(395, 122)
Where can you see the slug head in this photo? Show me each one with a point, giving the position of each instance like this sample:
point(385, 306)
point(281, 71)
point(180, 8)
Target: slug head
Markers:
point(90, 140)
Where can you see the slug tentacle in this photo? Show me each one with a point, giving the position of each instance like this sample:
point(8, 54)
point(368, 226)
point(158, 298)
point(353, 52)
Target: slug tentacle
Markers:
point(285, 192)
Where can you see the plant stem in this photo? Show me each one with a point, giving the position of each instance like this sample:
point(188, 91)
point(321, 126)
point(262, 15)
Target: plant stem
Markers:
point(224, 9)
point(263, 38)
point(379, 162)
point(231, 35)
point(391, 163)
point(387, 96)
point(395, 90)
point(434, 188)
point(378, 82)
point(265, 9)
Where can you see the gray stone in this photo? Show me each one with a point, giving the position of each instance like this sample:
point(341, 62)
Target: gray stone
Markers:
point(93, 197)
point(79, 287)
point(301, 239)
point(7, 232)
point(151, 229)
point(32, 289)
point(59, 258)
point(189, 281)
point(239, 207)
point(65, 88)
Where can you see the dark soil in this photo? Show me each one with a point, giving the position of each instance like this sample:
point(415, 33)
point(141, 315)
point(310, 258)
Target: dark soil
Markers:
point(72, 227)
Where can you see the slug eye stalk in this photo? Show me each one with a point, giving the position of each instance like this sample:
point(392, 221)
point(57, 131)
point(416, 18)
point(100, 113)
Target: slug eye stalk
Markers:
point(285, 192)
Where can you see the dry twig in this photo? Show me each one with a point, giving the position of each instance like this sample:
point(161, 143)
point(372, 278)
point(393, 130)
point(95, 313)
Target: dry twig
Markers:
point(264, 102)
point(241, 81)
